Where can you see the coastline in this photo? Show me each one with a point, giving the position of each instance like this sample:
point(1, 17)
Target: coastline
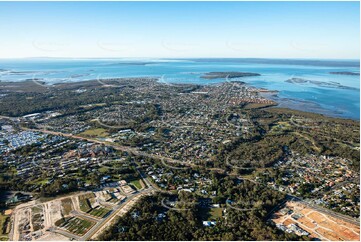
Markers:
point(330, 94)
point(292, 104)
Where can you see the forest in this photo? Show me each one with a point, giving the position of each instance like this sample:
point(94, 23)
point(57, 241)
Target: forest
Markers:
point(250, 222)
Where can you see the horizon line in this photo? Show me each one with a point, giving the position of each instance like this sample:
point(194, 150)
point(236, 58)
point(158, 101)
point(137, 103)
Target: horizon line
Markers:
point(180, 58)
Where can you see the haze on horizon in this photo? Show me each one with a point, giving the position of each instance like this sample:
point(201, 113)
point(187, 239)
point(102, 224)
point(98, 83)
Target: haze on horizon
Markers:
point(324, 30)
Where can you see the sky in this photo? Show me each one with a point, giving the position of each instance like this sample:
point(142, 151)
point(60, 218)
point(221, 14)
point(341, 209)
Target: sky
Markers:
point(321, 30)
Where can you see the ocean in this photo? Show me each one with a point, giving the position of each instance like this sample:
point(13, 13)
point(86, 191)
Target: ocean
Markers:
point(336, 95)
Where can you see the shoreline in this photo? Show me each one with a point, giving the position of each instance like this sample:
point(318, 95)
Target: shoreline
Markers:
point(266, 93)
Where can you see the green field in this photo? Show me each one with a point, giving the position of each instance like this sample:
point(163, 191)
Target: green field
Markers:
point(99, 212)
point(216, 213)
point(211, 213)
point(84, 203)
point(75, 225)
point(103, 169)
point(96, 132)
point(280, 127)
point(137, 184)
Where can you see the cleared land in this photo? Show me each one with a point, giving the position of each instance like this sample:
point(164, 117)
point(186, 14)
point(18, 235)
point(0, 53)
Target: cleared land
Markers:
point(127, 189)
point(67, 206)
point(319, 225)
point(72, 216)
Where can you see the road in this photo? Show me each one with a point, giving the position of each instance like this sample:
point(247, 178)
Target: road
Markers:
point(65, 233)
point(84, 216)
point(135, 151)
point(117, 208)
point(132, 150)
point(140, 153)
point(113, 213)
point(313, 206)
point(100, 223)
point(14, 232)
point(320, 209)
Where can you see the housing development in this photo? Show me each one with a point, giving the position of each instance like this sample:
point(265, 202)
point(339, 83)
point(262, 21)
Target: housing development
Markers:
point(122, 158)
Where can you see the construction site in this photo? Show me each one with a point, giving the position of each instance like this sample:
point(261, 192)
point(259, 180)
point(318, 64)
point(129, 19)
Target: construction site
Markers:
point(75, 217)
point(296, 217)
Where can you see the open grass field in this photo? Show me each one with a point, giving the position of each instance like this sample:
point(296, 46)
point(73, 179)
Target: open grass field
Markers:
point(216, 213)
point(99, 212)
point(84, 203)
point(138, 184)
point(103, 169)
point(97, 132)
point(211, 213)
point(280, 128)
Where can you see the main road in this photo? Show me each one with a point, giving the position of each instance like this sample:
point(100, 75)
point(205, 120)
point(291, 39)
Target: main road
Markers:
point(117, 147)
point(141, 153)
point(150, 186)
point(311, 205)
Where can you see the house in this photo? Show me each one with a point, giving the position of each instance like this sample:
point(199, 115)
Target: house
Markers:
point(209, 223)
point(104, 178)
point(18, 197)
point(161, 216)
point(135, 214)
point(297, 230)
point(185, 190)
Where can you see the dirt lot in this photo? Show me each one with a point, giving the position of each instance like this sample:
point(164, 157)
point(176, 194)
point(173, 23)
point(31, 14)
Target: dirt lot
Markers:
point(319, 225)
point(127, 189)
point(33, 219)
point(53, 237)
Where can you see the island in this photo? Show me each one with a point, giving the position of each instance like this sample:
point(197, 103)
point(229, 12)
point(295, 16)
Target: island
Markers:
point(296, 80)
point(231, 74)
point(347, 73)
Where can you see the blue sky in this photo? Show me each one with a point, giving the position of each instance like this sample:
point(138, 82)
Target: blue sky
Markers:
point(180, 29)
